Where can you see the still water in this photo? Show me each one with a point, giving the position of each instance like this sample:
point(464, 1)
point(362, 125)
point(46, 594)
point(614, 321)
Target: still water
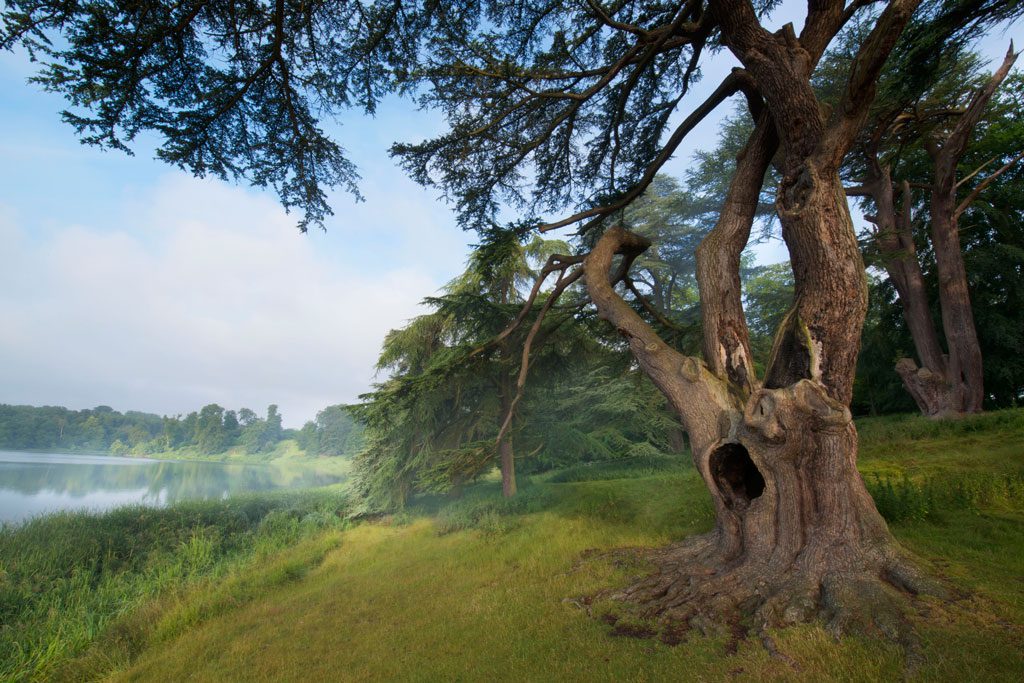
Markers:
point(36, 483)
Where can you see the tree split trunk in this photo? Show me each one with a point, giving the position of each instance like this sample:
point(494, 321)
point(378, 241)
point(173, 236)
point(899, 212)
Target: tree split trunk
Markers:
point(944, 385)
point(797, 535)
point(931, 386)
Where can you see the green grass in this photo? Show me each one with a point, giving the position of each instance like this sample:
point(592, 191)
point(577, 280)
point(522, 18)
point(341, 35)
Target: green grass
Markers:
point(67, 579)
point(914, 445)
point(479, 588)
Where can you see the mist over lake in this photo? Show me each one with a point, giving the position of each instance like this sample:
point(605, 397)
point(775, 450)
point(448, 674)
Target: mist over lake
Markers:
point(37, 483)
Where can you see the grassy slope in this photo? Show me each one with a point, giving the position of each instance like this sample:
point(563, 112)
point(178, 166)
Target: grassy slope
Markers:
point(402, 602)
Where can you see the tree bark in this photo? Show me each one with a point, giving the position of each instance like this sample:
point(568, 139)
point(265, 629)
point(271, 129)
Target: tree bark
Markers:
point(726, 337)
point(964, 372)
point(797, 535)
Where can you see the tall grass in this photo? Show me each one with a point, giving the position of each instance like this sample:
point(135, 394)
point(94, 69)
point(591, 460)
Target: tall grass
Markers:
point(65, 578)
point(911, 427)
point(904, 499)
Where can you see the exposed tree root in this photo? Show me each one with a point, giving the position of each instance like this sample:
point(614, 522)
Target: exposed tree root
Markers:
point(693, 587)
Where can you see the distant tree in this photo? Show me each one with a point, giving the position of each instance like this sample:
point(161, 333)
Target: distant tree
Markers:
point(918, 138)
point(308, 439)
point(232, 428)
point(338, 433)
point(448, 411)
point(261, 435)
point(211, 437)
point(274, 421)
point(92, 433)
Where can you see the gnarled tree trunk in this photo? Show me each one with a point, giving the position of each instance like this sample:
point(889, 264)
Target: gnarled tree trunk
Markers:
point(797, 535)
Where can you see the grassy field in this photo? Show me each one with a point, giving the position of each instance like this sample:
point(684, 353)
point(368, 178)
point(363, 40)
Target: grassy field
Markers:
point(481, 588)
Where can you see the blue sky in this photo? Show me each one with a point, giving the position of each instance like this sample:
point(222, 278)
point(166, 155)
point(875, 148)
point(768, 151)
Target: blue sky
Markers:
point(125, 282)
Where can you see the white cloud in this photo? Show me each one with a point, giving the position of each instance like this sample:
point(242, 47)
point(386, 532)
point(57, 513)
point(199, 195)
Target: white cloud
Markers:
point(206, 293)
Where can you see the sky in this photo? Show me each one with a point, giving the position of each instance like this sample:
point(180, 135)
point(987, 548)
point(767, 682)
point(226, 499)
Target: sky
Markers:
point(127, 283)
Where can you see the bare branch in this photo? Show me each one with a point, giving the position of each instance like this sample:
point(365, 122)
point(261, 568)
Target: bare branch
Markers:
point(858, 191)
point(973, 195)
point(612, 23)
point(975, 172)
point(555, 262)
point(649, 307)
point(954, 146)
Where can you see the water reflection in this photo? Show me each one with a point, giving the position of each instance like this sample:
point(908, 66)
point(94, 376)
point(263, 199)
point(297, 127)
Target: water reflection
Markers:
point(33, 483)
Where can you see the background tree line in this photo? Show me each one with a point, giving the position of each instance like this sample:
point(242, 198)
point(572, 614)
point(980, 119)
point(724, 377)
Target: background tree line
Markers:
point(210, 431)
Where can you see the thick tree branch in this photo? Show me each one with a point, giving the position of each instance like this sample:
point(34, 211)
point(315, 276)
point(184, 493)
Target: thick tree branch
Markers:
point(694, 392)
point(726, 336)
point(849, 115)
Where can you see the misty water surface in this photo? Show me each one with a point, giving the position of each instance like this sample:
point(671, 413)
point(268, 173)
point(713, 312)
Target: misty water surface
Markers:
point(37, 483)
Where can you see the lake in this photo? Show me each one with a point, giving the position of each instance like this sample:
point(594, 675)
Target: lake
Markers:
point(37, 483)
